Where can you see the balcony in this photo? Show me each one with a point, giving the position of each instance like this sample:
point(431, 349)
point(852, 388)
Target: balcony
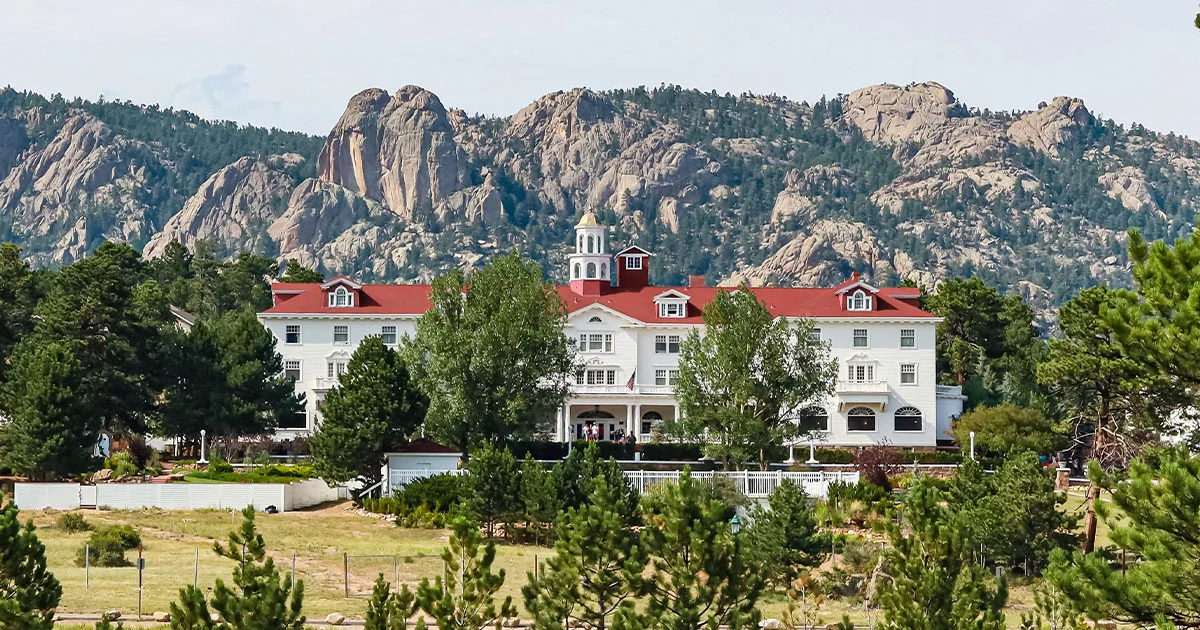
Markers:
point(865, 393)
point(636, 390)
point(325, 383)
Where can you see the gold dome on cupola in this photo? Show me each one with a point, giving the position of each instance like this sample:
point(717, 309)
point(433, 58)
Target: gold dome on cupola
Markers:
point(588, 220)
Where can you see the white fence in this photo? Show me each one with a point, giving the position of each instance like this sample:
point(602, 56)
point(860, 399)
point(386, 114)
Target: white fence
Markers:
point(174, 496)
point(754, 484)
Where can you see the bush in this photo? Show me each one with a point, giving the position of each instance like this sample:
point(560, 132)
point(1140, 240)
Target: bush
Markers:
point(671, 452)
point(107, 545)
point(426, 503)
point(71, 522)
point(877, 464)
point(217, 464)
point(1008, 428)
point(122, 464)
point(833, 456)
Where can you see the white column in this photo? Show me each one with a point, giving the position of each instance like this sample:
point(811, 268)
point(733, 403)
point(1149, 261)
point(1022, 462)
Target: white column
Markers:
point(629, 419)
point(635, 423)
point(676, 411)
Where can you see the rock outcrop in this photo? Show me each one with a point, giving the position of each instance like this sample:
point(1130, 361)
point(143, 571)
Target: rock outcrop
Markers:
point(233, 207)
point(890, 114)
point(1051, 126)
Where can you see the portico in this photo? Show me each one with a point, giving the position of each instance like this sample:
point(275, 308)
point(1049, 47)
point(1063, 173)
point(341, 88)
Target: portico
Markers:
point(630, 416)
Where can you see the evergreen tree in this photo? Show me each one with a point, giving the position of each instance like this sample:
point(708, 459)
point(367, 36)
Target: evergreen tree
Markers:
point(935, 584)
point(596, 571)
point(29, 593)
point(538, 497)
point(228, 379)
point(293, 271)
point(783, 536)
point(388, 611)
point(112, 318)
point(496, 480)
point(699, 576)
point(971, 328)
point(260, 599)
point(51, 429)
point(1155, 515)
point(744, 383)
point(576, 476)
point(1007, 428)
point(464, 598)
point(494, 363)
point(374, 407)
point(17, 299)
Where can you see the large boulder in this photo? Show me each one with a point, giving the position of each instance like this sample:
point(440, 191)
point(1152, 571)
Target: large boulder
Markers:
point(1052, 125)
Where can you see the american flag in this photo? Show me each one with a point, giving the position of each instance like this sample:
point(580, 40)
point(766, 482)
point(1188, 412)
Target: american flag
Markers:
point(632, 376)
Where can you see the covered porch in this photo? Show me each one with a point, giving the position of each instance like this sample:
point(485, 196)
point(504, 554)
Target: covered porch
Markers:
point(585, 419)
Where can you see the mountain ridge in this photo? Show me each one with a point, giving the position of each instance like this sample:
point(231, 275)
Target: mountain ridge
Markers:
point(903, 183)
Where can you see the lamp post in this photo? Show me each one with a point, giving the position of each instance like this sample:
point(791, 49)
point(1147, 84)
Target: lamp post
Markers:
point(972, 434)
point(203, 447)
point(735, 525)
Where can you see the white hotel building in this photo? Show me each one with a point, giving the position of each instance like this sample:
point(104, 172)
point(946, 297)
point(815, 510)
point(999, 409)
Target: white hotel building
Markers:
point(628, 336)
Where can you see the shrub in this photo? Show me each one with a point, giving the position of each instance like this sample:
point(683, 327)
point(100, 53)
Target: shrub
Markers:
point(877, 464)
point(670, 452)
point(217, 464)
point(832, 455)
point(107, 545)
point(122, 464)
point(1008, 428)
point(72, 522)
point(437, 492)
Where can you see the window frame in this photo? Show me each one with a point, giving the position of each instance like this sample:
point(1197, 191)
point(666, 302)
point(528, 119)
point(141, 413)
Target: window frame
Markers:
point(807, 413)
point(335, 369)
point(672, 309)
point(871, 414)
point(605, 343)
point(911, 337)
point(287, 331)
point(858, 301)
point(920, 416)
point(345, 328)
point(341, 297)
point(666, 376)
point(634, 263)
point(383, 335)
point(866, 338)
point(814, 335)
point(914, 373)
point(667, 344)
point(299, 369)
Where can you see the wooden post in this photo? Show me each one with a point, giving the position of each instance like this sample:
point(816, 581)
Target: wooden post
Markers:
point(346, 571)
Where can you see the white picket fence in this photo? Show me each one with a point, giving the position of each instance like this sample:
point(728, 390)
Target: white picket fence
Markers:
point(753, 484)
point(175, 496)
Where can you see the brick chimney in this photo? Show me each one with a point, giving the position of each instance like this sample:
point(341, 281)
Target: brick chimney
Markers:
point(695, 281)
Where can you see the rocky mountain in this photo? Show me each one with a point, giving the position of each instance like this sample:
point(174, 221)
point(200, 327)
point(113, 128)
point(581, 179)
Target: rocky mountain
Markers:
point(899, 182)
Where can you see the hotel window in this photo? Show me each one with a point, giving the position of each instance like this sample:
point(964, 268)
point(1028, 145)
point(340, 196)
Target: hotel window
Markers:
point(341, 297)
point(596, 377)
point(666, 344)
point(596, 342)
point(293, 334)
point(672, 309)
point(860, 337)
point(291, 369)
point(861, 373)
point(908, 373)
point(633, 262)
point(814, 334)
point(389, 335)
point(908, 338)
point(814, 419)
point(908, 419)
point(666, 377)
point(298, 420)
point(335, 369)
point(860, 419)
point(341, 334)
point(860, 301)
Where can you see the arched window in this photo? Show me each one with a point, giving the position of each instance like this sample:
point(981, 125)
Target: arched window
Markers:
point(595, 320)
point(908, 419)
point(814, 419)
point(603, 270)
point(860, 419)
point(859, 301)
point(591, 244)
point(579, 242)
point(595, 414)
point(591, 269)
point(341, 297)
point(578, 271)
point(650, 419)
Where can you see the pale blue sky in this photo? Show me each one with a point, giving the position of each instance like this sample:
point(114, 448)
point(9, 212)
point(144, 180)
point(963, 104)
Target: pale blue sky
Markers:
point(294, 64)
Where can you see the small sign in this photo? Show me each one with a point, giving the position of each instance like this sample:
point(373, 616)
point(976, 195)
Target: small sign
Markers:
point(141, 565)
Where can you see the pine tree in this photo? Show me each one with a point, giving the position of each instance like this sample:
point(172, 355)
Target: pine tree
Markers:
point(538, 498)
point(51, 428)
point(374, 407)
point(17, 299)
point(293, 271)
point(29, 593)
point(935, 584)
point(261, 598)
point(595, 574)
point(388, 611)
point(699, 575)
point(465, 597)
point(783, 534)
point(576, 475)
point(497, 483)
point(1155, 515)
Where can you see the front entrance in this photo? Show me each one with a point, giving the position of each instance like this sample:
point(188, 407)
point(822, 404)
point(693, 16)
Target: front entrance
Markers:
point(596, 424)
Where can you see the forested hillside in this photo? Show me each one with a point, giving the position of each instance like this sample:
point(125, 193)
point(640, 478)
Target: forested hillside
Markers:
point(901, 183)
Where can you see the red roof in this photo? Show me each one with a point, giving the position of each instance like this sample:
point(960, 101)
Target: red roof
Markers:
point(413, 299)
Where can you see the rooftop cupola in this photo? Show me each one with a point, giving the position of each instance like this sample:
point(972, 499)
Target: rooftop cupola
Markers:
point(591, 264)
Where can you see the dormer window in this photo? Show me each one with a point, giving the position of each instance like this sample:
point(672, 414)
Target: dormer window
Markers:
point(858, 301)
point(633, 262)
point(341, 297)
point(672, 309)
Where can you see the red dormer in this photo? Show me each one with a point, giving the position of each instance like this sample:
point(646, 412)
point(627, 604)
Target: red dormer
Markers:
point(633, 268)
point(856, 295)
point(342, 292)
